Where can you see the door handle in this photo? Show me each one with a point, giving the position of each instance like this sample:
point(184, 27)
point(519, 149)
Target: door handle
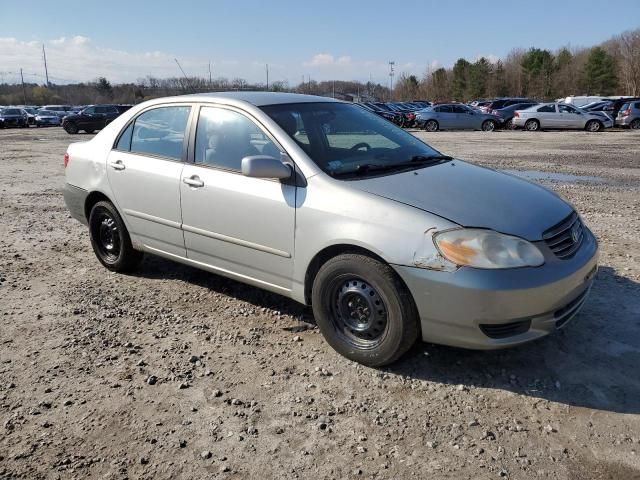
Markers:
point(117, 165)
point(193, 181)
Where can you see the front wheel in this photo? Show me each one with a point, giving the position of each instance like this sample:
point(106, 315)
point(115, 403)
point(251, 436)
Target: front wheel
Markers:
point(488, 126)
point(635, 125)
point(363, 310)
point(593, 126)
point(110, 239)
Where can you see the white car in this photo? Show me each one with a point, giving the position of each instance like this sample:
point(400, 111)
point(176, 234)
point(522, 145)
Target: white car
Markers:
point(560, 116)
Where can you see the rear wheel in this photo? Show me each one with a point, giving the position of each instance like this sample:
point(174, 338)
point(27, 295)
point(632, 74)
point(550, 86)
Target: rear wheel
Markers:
point(593, 126)
point(71, 128)
point(488, 126)
point(110, 239)
point(635, 124)
point(363, 310)
point(431, 126)
point(532, 125)
point(508, 125)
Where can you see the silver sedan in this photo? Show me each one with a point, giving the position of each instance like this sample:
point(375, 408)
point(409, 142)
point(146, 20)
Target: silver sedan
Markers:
point(455, 116)
point(330, 205)
point(560, 116)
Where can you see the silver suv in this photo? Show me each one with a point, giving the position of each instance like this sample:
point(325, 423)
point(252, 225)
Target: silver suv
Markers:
point(328, 204)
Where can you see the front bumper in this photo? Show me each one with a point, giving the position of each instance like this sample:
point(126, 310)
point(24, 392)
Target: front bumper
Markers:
point(487, 309)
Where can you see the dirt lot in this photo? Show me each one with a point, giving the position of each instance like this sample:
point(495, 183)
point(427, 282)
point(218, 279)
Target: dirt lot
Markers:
point(177, 373)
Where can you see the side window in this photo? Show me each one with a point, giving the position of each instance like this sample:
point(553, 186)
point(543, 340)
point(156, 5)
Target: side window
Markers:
point(160, 132)
point(444, 109)
point(124, 142)
point(225, 137)
point(89, 110)
point(566, 109)
point(548, 109)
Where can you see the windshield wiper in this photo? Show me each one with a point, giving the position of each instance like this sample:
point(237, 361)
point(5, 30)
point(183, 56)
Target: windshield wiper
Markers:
point(430, 158)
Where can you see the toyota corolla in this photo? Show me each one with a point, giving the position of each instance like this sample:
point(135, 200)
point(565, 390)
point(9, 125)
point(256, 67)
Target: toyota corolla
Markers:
point(326, 203)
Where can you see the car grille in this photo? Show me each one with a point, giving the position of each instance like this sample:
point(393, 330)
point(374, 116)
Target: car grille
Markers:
point(565, 238)
point(505, 330)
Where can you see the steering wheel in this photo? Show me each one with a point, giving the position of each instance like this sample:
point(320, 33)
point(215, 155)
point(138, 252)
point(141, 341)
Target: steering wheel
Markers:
point(360, 145)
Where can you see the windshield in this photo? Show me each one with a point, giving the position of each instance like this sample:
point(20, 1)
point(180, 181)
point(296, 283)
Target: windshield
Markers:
point(345, 140)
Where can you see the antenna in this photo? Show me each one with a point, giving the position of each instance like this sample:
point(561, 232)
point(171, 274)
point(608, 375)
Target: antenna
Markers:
point(46, 72)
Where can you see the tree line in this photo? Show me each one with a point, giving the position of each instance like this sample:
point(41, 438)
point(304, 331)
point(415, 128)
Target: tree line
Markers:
point(610, 68)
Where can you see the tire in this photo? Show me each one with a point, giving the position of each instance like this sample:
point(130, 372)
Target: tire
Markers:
point(488, 126)
point(532, 125)
point(635, 124)
point(110, 239)
point(70, 128)
point(594, 126)
point(508, 125)
point(351, 285)
point(89, 130)
point(431, 126)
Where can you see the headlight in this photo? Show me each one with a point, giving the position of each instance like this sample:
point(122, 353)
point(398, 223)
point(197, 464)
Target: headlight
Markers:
point(486, 249)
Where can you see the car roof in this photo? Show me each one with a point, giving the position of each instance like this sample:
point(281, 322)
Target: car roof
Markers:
point(258, 99)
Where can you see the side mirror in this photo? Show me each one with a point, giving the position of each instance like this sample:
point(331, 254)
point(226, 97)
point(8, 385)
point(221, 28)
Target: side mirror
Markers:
point(264, 166)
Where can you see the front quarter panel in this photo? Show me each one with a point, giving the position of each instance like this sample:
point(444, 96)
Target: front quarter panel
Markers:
point(330, 213)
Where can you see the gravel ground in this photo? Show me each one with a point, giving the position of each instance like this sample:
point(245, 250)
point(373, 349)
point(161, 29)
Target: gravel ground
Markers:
point(176, 373)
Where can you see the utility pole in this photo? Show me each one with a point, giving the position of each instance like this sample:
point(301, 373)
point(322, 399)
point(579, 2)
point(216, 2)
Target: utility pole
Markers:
point(391, 64)
point(210, 81)
point(334, 89)
point(267, 69)
point(46, 71)
point(24, 92)
point(184, 74)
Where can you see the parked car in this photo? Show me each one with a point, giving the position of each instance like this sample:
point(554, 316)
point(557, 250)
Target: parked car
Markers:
point(629, 115)
point(45, 118)
point(13, 117)
point(90, 119)
point(505, 114)
point(386, 238)
point(378, 111)
point(560, 116)
point(61, 110)
point(615, 105)
point(455, 116)
point(580, 100)
point(31, 113)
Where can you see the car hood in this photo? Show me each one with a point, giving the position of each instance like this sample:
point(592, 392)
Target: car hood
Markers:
point(473, 196)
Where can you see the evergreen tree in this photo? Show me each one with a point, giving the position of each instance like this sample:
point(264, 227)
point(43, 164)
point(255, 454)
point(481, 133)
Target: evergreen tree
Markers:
point(600, 72)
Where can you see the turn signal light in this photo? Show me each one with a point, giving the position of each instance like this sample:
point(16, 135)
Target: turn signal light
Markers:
point(66, 160)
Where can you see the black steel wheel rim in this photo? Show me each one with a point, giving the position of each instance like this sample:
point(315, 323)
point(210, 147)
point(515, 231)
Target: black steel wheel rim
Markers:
point(107, 237)
point(358, 313)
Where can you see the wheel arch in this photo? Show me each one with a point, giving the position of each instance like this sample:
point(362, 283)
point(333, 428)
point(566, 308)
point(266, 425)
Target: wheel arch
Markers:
point(93, 198)
point(328, 253)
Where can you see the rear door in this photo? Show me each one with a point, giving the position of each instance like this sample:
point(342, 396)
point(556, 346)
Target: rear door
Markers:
point(144, 174)
point(548, 116)
point(238, 225)
point(445, 116)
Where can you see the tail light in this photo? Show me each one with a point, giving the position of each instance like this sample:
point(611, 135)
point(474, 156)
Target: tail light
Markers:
point(495, 112)
point(66, 160)
point(626, 113)
point(516, 114)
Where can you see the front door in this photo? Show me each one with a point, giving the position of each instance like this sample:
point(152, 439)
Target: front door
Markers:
point(570, 117)
point(144, 174)
point(240, 226)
